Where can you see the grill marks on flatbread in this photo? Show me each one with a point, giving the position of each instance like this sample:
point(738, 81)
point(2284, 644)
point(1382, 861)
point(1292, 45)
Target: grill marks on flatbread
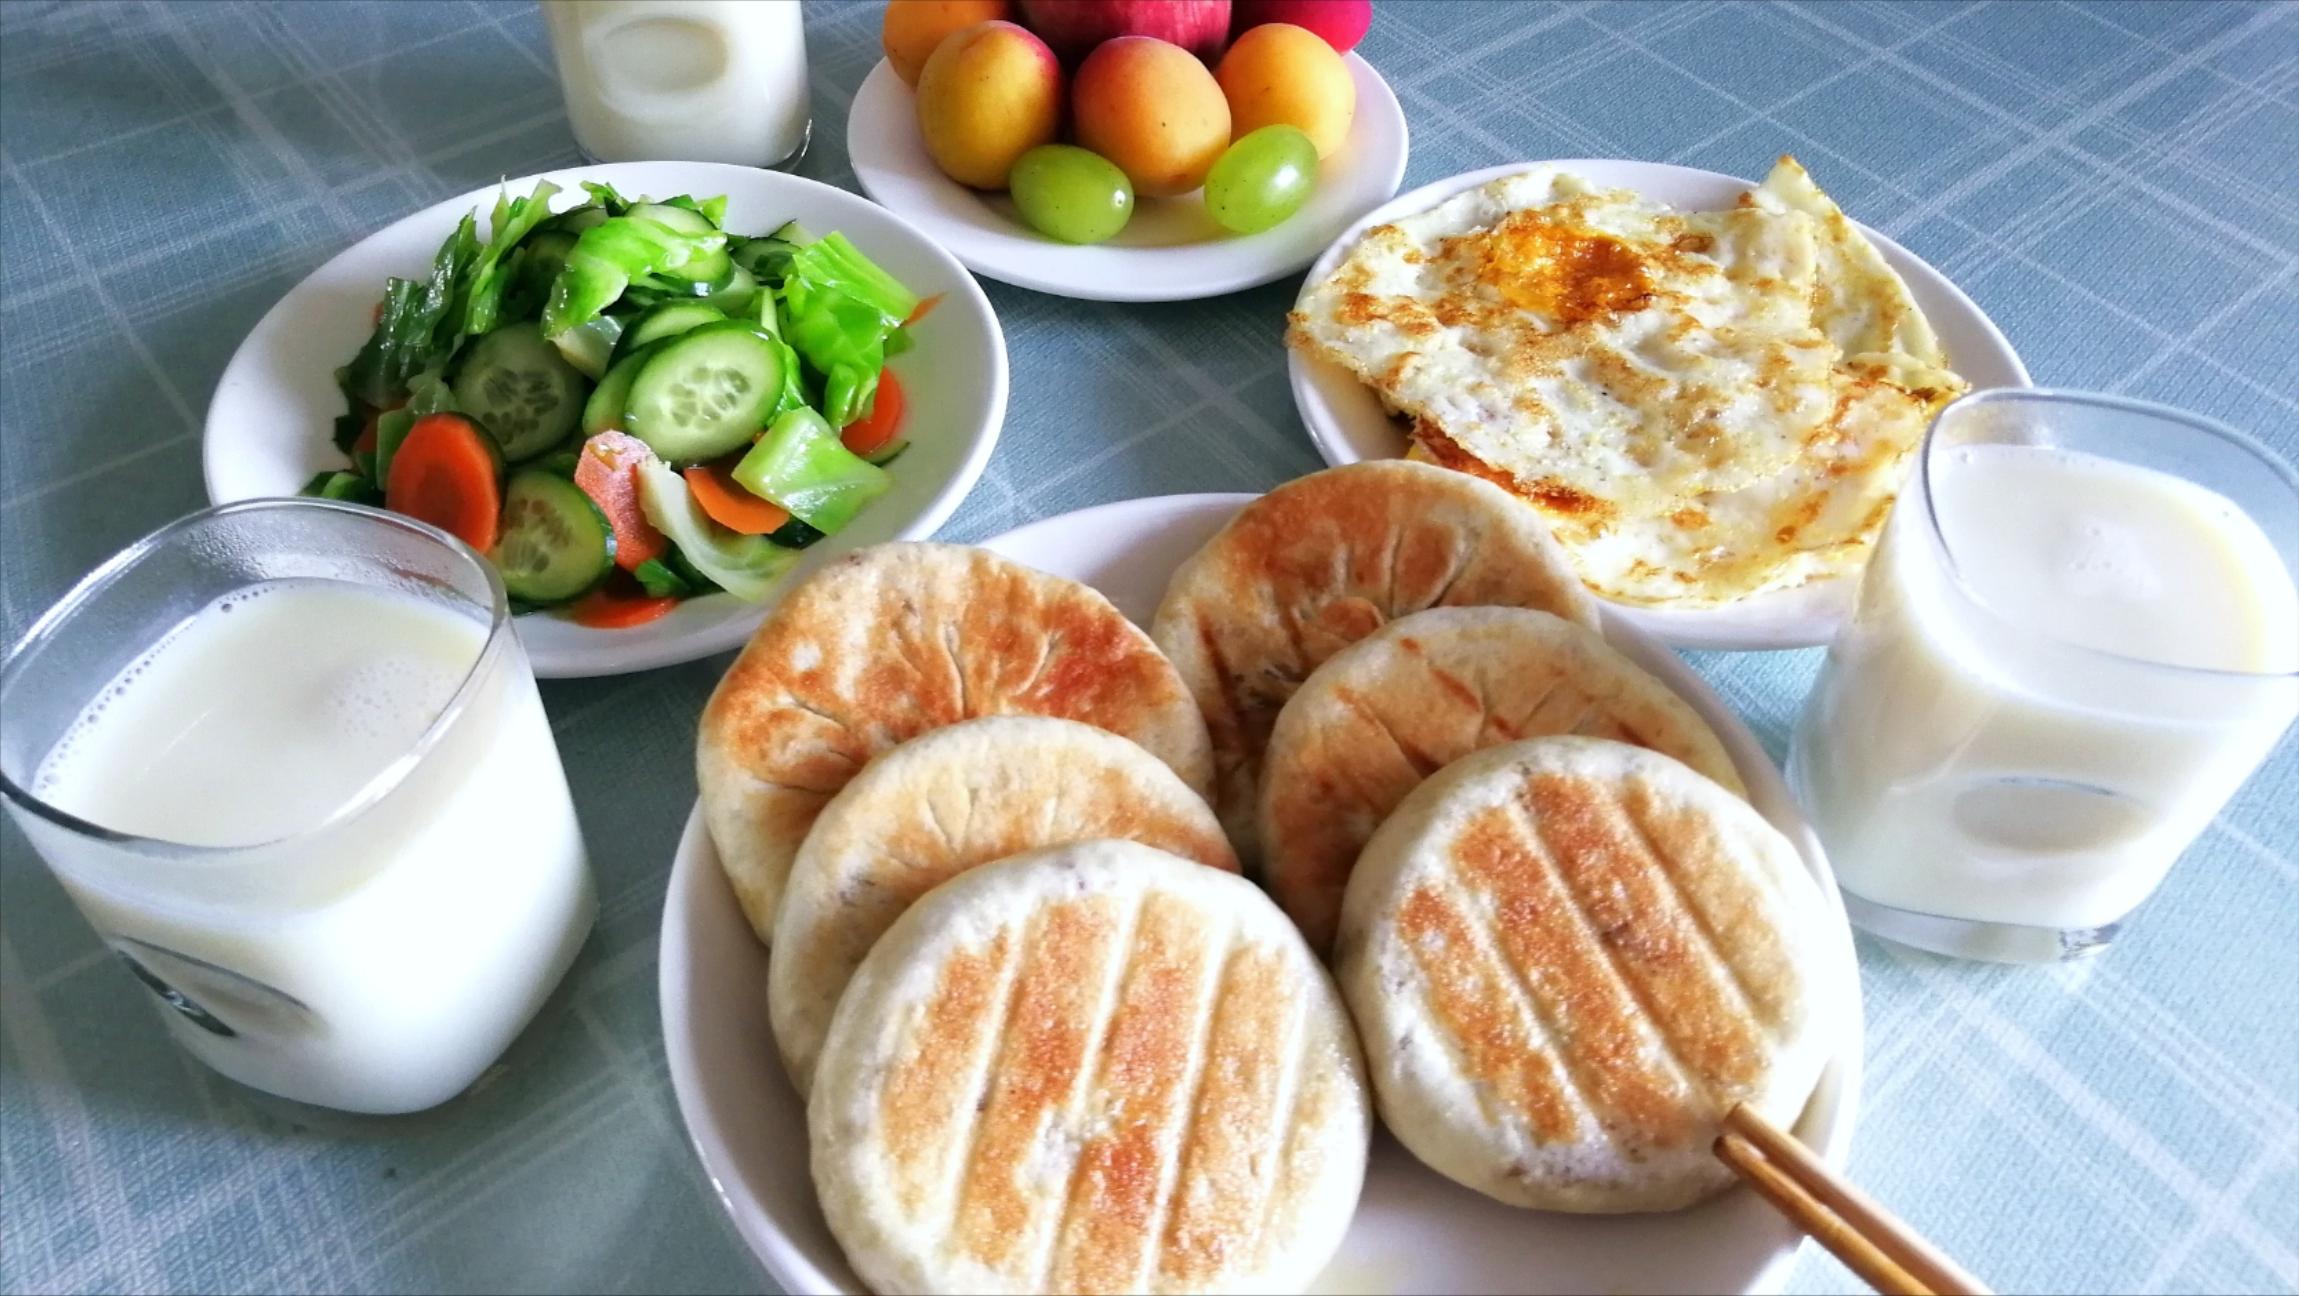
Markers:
point(1126, 1087)
point(1325, 560)
point(1376, 720)
point(896, 640)
point(978, 791)
point(1596, 949)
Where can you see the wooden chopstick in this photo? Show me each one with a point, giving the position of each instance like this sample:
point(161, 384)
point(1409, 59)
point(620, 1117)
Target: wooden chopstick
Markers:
point(1870, 1240)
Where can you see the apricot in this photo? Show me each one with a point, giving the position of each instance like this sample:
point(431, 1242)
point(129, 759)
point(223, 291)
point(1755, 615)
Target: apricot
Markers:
point(988, 94)
point(1280, 74)
point(1151, 107)
point(914, 27)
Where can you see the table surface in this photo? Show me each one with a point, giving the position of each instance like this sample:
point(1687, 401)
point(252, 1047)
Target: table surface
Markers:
point(2115, 184)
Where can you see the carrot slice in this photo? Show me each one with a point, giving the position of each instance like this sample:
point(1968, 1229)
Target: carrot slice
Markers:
point(444, 474)
point(883, 424)
point(923, 309)
point(618, 605)
point(606, 469)
point(729, 503)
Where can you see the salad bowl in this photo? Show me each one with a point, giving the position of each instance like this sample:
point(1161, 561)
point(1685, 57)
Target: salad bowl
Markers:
point(270, 426)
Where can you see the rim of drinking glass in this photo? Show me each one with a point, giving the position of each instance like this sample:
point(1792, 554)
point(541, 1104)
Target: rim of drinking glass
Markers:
point(2268, 459)
point(375, 789)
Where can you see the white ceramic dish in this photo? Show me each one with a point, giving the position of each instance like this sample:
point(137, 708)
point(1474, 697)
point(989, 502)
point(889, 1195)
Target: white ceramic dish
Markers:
point(1170, 251)
point(1347, 423)
point(269, 424)
point(1414, 1231)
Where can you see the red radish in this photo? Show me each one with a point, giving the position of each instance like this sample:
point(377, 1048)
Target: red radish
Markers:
point(606, 469)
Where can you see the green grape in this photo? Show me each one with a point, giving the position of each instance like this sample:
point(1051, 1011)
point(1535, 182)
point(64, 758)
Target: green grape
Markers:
point(1067, 193)
point(1262, 179)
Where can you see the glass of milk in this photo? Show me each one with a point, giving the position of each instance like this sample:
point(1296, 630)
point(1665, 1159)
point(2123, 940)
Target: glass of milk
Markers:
point(289, 759)
point(2076, 639)
point(683, 80)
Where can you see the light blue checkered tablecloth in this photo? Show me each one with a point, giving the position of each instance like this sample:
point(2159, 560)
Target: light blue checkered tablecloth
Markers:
point(2117, 184)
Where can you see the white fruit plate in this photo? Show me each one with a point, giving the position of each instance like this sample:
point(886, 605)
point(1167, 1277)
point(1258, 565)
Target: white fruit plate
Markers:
point(1415, 1231)
point(1347, 422)
point(1170, 251)
point(268, 428)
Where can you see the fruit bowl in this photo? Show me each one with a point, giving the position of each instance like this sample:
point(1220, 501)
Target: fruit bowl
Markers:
point(1170, 251)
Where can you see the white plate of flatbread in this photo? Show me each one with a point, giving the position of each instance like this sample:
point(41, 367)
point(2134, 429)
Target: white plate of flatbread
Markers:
point(1413, 1230)
point(1801, 602)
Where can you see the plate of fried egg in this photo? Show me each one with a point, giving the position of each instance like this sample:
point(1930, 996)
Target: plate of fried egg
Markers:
point(1710, 388)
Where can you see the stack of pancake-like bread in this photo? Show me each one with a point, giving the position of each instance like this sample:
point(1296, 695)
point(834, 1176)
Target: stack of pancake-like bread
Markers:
point(1052, 1040)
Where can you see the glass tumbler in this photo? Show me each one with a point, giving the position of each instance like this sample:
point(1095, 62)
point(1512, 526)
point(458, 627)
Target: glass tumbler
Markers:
point(683, 80)
point(2076, 639)
point(288, 758)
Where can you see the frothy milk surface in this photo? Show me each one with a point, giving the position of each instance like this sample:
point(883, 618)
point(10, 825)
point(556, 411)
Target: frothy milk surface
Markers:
point(2115, 557)
point(263, 714)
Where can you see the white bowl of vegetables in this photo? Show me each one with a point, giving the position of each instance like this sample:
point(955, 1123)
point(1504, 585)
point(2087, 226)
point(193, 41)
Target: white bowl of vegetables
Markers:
point(650, 392)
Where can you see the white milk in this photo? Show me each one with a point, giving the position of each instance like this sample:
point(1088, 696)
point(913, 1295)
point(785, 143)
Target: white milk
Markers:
point(373, 960)
point(2037, 746)
point(687, 80)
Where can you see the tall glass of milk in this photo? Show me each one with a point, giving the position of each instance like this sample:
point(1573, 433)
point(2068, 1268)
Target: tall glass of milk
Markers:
point(289, 759)
point(684, 80)
point(2076, 639)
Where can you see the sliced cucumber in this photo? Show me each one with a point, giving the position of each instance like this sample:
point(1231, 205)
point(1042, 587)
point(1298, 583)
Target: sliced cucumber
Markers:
point(801, 465)
point(590, 345)
point(707, 266)
point(604, 410)
point(889, 452)
point(546, 251)
point(578, 220)
point(744, 566)
point(561, 462)
point(706, 392)
point(556, 544)
point(667, 321)
point(767, 258)
point(688, 572)
point(656, 577)
point(390, 431)
point(678, 220)
point(736, 295)
point(521, 390)
point(791, 232)
point(346, 486)
point(794, 534)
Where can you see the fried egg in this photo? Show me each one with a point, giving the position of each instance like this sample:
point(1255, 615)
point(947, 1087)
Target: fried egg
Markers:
point(1705, 404)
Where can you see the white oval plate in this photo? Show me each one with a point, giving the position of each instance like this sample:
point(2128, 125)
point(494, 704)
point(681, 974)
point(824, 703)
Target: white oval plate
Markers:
point(1347, 423)
point(1415, 1231)
point(1170, 251)
point(268, 428)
